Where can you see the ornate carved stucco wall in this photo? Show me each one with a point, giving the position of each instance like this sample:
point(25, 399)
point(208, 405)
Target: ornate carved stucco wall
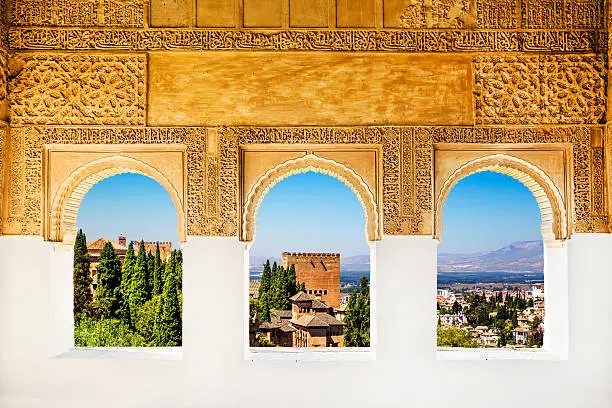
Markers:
point(91, 72)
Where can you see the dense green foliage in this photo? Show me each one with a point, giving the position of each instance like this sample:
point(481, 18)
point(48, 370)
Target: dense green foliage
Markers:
point(105, 333)
point(108, 291)
point(138, 285)
point(157, 272)
point(357, 319)
point(81, 277)
point(454, 337)
point(168, 325)
point(126, 310)
point(277, 286)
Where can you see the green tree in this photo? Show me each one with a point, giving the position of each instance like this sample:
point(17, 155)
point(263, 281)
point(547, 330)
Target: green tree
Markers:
point(150, 273)
point(264, 307)
point(357, 319)
point(138, 284)
point(126, 283)
point(145, 319)
point(105, 333)
point(108, 290)
point(81, 277)
point(179, 269)
point(456, 307)
point(157, 272)
point(454, 337)
point(170, 330)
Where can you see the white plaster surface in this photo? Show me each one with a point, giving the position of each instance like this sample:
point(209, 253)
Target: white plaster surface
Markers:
point(214, 373)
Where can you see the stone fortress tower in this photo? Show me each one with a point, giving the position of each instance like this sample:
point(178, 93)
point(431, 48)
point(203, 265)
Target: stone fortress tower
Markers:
point(319, 271)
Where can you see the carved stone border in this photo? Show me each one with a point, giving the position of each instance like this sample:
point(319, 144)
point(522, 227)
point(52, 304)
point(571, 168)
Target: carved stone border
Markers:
point(212, 192)
point(26, 154)
point(427, 40)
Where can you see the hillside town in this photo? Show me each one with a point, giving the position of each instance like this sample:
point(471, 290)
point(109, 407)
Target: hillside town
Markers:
point(491, 317)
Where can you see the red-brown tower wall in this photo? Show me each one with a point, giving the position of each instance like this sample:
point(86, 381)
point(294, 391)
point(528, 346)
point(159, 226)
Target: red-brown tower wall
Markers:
point(319, 271)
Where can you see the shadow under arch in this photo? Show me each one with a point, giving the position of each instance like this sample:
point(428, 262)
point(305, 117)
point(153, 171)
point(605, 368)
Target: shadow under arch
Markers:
point(314, 163)
point(552, 209)
point(65, 205)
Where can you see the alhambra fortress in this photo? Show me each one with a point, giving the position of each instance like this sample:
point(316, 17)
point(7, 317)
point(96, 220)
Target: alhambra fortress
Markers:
point(218, 100)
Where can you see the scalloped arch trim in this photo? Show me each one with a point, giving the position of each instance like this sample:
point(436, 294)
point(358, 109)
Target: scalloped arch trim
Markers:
point(314, 163)
point(552, 210)
point(65, 204)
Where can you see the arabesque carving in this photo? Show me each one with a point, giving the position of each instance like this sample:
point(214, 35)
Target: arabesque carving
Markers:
point(544, 89)
point(552, 210)
point(563, 13)
point(423, 40)
point(25, 188)
point(310, 162)
point(439, 14)
point(78, 13)
point(79, 89)
point(212, 189)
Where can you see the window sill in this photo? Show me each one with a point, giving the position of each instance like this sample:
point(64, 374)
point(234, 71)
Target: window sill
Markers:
point(124, 353)
point(481, 354)
point(309, 354)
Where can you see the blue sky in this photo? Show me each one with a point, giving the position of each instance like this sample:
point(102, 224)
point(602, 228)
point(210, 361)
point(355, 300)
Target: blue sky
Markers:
point(316, 212)
point(129, 204)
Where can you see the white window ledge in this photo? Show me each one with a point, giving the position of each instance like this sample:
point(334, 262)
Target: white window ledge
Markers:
point(476, 354)
point(124, 353)
point(299, 354)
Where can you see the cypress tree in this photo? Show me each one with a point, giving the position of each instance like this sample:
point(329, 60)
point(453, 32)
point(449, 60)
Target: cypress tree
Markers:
point(178, 267)
point(364, 311)
point(108, 291)
point(292, 285)
point(357, 320)
point(171, 310)
point(159, 328)
point(351, 321)
point(126, 283)
point(266, 278)
point(150, 273)
point(81, 277)
point(138, 284)
point(264, 307)
point(157, 272)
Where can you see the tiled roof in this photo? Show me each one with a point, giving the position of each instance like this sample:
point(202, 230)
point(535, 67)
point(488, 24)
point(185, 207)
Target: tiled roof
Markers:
point(281, 314)
point(319, 304)
point(317, 320)
point(99, 243)
point(301, 296)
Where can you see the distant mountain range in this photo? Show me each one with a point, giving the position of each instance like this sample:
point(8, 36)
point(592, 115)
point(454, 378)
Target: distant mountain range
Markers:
point(521, 256)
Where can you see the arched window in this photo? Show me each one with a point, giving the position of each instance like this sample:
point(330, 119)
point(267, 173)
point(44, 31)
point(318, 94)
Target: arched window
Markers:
point(310, 247)
point(491, 265)
point(127, 234)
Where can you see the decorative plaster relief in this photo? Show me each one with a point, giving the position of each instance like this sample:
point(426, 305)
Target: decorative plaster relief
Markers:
point(79, 89)
point(563, 13)
point(539, 89)
point(25, 188)
point(212, 165)
point(576, 41)
point(78, 13)
point(439, 14)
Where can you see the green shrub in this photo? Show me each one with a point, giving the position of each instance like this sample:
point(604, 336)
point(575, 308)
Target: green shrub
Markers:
point(105, 333)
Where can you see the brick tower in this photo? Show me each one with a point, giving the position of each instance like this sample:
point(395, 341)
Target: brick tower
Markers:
point(319, 271)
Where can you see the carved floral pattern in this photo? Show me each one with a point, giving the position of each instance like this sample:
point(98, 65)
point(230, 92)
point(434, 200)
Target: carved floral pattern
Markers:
point(542, 89)
point(439, 14)
point(79, 89)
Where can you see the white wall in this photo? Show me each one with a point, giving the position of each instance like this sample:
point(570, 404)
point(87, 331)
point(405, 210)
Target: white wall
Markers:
point(213, 373)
